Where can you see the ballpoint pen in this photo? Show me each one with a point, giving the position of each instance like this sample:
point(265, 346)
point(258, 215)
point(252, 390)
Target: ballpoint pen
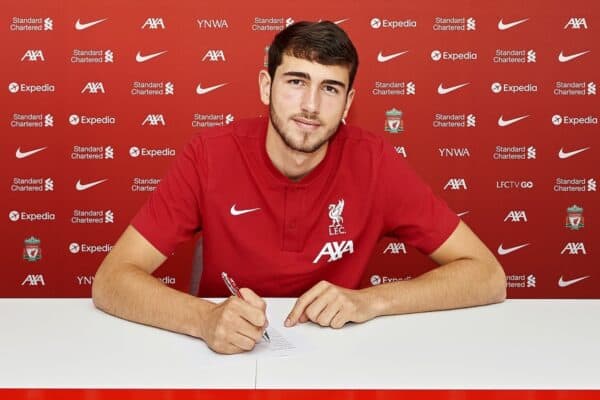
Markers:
point(230, 283)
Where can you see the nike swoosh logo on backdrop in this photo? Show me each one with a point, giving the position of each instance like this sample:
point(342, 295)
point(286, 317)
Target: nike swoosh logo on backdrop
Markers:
point(502, 26)
point(79, 26)
point(339, 21)
point(19, 154)
point(562, 283)
point(562, 58)
point(381, 58)
point(236, 212)
point(442, 90)
point(201, 91)
point(140, 58)
point(463, 213)
point(502, 122)
point(562, 154)
point(502, 251)
point(80, 186)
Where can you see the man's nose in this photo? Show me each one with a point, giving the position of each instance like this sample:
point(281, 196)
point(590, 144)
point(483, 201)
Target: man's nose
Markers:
point(311, 100)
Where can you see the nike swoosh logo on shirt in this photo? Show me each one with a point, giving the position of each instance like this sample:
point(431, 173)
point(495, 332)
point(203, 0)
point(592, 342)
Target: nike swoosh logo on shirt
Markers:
point(140, 58)
point(442, 90)
point(19, 154)
point(236, 212)
point(79, 26)
point(502, 26)
point(200, 90)
point(80, 186)
point(562, 283)
point(502, 122)
point(562, 154)
point(381, 58)
point(502, 251)
point(562, 58)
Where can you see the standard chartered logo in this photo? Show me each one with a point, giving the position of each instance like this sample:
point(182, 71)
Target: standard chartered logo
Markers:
point(108, 56)
point(48, 24)
point(591, 185)
point(48, 185)
point(531, 153)
point(109, 152)
point(531, 56)
point(471, 24)
point(531, 281)
point(471, 121)
point(109, 217)
point(48, 120)
point(411, 88)
point(591, 89)
point(229, 119)
point(169, 88)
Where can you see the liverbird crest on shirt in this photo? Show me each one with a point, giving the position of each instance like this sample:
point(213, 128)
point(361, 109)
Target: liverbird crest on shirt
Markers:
point(335, 213)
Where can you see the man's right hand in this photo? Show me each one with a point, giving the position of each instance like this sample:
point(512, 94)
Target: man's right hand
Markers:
point(235, 325)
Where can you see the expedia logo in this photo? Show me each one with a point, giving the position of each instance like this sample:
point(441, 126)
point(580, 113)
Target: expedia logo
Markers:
point(377, 23)
point(136, 152)
point(75, 119)
point(558, 120)
point(498, 87)
point(15, 216)
point(77, 248)
point(15, 87)
point(439, 55)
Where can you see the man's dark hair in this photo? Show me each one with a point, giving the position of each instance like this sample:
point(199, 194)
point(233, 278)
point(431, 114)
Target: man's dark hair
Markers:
point(323, 42)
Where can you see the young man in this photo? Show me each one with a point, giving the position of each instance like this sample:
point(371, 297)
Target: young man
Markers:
point(293, 205)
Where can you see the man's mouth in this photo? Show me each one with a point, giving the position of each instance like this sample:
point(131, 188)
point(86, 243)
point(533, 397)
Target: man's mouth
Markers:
point(305, 123)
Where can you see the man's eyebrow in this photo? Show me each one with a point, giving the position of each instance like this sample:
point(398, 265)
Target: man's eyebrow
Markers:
point(306, 76)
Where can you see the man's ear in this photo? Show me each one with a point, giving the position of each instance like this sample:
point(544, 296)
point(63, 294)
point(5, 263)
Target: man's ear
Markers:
point(264, 87)
point(349, 100)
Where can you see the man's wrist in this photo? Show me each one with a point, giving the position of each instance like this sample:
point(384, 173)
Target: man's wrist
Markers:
point(199, 313)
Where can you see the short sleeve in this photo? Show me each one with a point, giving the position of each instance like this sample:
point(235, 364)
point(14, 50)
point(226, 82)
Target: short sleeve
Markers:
point(172, 214)
point(411, 212)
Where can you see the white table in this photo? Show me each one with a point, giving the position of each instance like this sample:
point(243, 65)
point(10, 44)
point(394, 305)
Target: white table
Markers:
point(519, 344)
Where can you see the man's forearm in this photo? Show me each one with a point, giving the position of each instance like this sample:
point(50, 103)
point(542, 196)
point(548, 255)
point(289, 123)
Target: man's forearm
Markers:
point(132, 294)
point(461, 283)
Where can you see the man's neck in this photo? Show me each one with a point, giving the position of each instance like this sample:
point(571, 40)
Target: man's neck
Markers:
point(293, 164)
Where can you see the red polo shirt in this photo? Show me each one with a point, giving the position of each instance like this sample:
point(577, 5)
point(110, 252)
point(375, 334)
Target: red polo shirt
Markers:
point(281, 237)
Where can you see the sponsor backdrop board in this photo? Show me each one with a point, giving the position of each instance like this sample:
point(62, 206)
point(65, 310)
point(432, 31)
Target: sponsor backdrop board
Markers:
point(494, 103)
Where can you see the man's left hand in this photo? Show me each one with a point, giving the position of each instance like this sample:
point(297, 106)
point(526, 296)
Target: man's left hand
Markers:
point(329, 305)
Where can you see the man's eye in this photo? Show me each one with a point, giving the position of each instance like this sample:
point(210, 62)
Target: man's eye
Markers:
point(295, 82)
point(331, 89)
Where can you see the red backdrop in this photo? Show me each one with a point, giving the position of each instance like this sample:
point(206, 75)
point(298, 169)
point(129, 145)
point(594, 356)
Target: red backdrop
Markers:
point(493, 103)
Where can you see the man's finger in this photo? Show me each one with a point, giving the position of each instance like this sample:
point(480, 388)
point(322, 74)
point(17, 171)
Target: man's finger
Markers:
point(303, 302)
point(250, 313)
